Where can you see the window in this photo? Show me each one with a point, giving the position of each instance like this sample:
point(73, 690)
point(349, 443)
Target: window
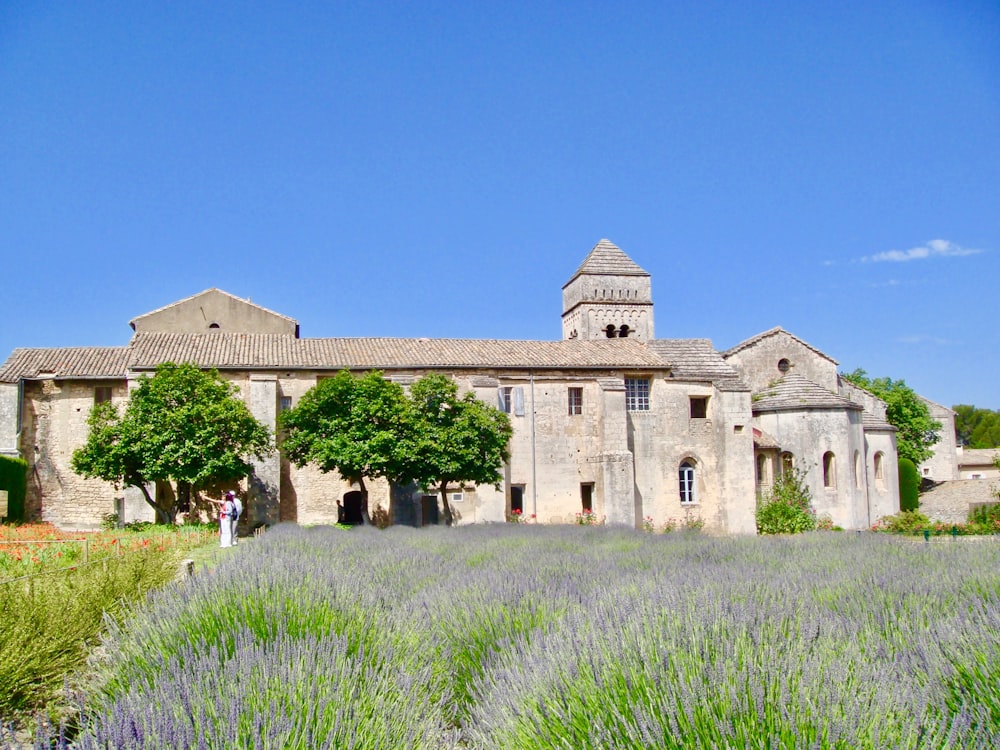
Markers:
point(829, 470)
point(857, 469)
point(511, 400)
point(685, 476)
point(699, 407)
point(284, 403)
point(880, 470)
point(575, 401)
point(787, 462)
point(102, 394)
point(784, 366)
point(587, 497)
point(636, 394)
point(761, 469)
point(517, 499)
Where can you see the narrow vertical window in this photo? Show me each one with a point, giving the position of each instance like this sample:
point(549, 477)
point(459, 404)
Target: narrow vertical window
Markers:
point(637, 394)
point(829, 470)
point(685, 476)
point(787, 462)
point(575, 401)
point(761, 469)
point(880, 470)
point(587, 497)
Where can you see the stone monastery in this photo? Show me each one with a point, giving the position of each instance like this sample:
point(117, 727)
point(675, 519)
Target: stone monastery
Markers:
point(610, 419)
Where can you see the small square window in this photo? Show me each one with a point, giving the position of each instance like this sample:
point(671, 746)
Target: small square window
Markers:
point(637, 394)
point(285, 403)
point(575, 401)
point(102, 394)
point(699, 407)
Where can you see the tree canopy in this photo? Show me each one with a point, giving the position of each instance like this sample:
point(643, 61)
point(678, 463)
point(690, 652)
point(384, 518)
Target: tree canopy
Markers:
point(977, 428)
point(906, 411)
point(365, 427)
point(359, 426)
point(458, 439)
point(180, 425)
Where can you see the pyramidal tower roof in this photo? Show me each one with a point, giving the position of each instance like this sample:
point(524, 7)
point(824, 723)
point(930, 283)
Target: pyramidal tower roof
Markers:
point(607, 259)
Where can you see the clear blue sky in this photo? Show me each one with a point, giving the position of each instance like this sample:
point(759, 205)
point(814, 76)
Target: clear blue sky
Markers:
point(441, 169)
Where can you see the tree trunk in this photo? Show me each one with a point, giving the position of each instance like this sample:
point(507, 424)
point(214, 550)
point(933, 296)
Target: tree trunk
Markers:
point(365, 517)
point(449, 519)
point(163, 515)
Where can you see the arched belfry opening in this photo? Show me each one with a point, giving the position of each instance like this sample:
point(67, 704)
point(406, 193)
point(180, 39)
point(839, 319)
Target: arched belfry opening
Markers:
point(609, 296)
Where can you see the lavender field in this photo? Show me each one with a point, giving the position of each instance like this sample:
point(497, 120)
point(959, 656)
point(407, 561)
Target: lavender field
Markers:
point(562, 637)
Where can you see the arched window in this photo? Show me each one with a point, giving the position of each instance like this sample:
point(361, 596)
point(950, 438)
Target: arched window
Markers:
point(880, 470)
point(787, 462)
point(829, 470)
point(857, 469)
point(761, 468)
point(610, 331)
point(686, 477)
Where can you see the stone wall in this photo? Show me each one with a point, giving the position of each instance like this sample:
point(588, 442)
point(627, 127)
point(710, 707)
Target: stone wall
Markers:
point(758, 364)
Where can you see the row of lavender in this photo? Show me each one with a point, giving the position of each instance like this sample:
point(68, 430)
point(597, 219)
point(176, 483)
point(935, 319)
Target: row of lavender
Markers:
point(541, 637)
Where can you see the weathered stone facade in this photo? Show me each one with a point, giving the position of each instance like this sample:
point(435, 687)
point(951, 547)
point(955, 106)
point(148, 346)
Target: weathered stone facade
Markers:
point(609, 420)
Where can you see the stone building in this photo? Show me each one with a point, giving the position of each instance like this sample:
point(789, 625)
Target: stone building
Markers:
point(610, 419)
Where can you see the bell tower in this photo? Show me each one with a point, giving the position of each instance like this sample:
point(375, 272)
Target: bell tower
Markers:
point(609, 296)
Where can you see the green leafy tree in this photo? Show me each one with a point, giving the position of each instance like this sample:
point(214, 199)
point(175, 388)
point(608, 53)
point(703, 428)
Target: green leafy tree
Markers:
point(359, 426)
point(787, 508)
point(457, 439)
point(977, 428)
point(917, 431)
point(180, 425)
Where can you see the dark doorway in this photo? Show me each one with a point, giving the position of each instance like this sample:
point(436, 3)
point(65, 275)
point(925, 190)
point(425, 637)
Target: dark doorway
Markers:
point(587, 497)
point(429, 510)
point(517, 499)
point(351, 511)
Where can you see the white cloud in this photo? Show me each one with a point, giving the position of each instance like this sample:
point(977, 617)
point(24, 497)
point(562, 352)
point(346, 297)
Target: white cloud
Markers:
point(934, 248)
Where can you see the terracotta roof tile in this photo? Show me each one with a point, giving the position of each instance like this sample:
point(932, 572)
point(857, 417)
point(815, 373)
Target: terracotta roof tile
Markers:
point(694, 359)
point(66, 362)
point(274, 351)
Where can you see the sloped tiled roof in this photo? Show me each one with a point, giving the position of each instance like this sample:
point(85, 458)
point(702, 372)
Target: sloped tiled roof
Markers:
point(213, 290)
point(794, 392)
point(871, 422)
point(762, 440)
point(773, 332)
point(977, 456)
point(695, 359)
point(607, 259)
point(66, 362)
point(274, 351)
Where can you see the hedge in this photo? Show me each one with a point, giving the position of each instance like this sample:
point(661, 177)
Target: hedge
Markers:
point(14, 479)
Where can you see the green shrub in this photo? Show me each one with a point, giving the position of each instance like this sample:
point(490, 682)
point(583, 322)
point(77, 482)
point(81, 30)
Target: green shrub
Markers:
point(14, 479)
point(909, 485)
point(787, 507)
point(986, 518)
point(906, 522)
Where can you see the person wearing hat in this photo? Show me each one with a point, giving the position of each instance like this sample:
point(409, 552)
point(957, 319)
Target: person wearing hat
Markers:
point(227, 509)
point(237, 512)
